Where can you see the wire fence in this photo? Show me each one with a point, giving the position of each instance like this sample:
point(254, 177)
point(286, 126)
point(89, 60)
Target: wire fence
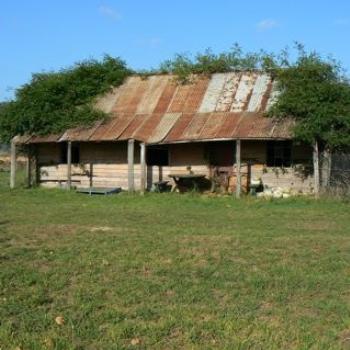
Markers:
point(335, 174)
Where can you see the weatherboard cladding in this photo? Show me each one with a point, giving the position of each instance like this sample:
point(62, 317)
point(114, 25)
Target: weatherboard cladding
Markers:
point(159, 109)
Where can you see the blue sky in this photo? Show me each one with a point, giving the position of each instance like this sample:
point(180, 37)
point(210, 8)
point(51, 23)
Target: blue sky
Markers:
point(38, 35)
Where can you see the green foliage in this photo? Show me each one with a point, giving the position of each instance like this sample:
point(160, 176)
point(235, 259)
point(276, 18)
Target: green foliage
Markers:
point(184, 65)
point(52, 102)
point(316, 94)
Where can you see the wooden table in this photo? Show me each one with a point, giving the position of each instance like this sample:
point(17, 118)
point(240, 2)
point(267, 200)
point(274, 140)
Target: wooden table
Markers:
point(191, 181)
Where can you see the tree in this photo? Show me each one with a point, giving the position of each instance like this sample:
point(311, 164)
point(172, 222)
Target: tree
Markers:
point(315, 93)
point(54, 101)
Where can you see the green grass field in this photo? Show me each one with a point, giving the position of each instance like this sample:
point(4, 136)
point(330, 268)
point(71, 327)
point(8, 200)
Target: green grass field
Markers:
point(172, 272)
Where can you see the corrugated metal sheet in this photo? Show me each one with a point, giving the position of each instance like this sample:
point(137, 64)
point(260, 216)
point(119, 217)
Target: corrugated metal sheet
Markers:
point(158, 109)
point(152, 94)
point(212, 125)
point(259, 90)
point(244, 92)
point(228, 92)
point(179, 127)
point(195, 95)
point(213, 92)
point(195, 127)
point(179, 99)
point(163, 128)
point(166, 96)
point(147, 127)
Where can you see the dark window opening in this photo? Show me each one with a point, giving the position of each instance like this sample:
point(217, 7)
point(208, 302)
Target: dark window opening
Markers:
point(220, 153)
point(279, 154)
point(75, 153)
point(157, 156)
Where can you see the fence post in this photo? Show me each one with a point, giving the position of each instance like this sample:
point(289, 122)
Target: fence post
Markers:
point(13, 164)
point(316, 170)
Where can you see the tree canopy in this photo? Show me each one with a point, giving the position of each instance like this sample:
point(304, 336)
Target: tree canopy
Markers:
point(315, 92)
point(54, 101)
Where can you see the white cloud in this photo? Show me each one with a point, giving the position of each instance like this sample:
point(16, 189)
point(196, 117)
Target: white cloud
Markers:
point(342, 22)
point(267, 24)
point(109, 12)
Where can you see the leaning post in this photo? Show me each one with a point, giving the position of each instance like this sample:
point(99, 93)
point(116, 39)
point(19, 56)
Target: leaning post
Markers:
point(69, 165)
point(131, 184)
point(13, 164)
point(143, 167)
point(238, 168)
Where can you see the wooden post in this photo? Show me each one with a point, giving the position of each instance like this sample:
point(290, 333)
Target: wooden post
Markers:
point(131, 185)
point(36, 167)
point(91, 175)
point(29, 167)
point(143, 166)
point(316, 170)
point(69, 165)
point(13, 164)
point(238, 168)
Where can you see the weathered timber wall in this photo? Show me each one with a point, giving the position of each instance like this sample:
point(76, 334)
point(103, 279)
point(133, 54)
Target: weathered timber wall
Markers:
point(105, 165)
point(298, 177)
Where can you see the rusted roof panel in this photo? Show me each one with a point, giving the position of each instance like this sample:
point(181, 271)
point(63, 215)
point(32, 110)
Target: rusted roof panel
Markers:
point(179, 127)
point(102, 132)
point(158, 109)
point(228, 92)
point(147, 128)
point(229, 125)
point(179, 99)
point(213, 92)
point(133, 127)
point(212, 125)
point(195, 127)
point(244, 91)
point(80, 134)
point(106, 102)
point(131, 95)
point(45, 139)
point(163, 128)
point(196, 95)
point(166, 96)
point(260, 87)
point(155, 87)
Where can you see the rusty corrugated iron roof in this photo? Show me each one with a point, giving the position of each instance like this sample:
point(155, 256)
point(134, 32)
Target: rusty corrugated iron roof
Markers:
point(158, 109)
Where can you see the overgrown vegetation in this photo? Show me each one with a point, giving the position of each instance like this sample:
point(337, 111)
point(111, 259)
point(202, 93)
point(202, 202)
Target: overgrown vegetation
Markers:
point(54, 101)
point(315, 92)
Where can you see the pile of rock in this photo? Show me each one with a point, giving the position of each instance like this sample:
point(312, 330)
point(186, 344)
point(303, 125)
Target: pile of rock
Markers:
point(275, 192)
